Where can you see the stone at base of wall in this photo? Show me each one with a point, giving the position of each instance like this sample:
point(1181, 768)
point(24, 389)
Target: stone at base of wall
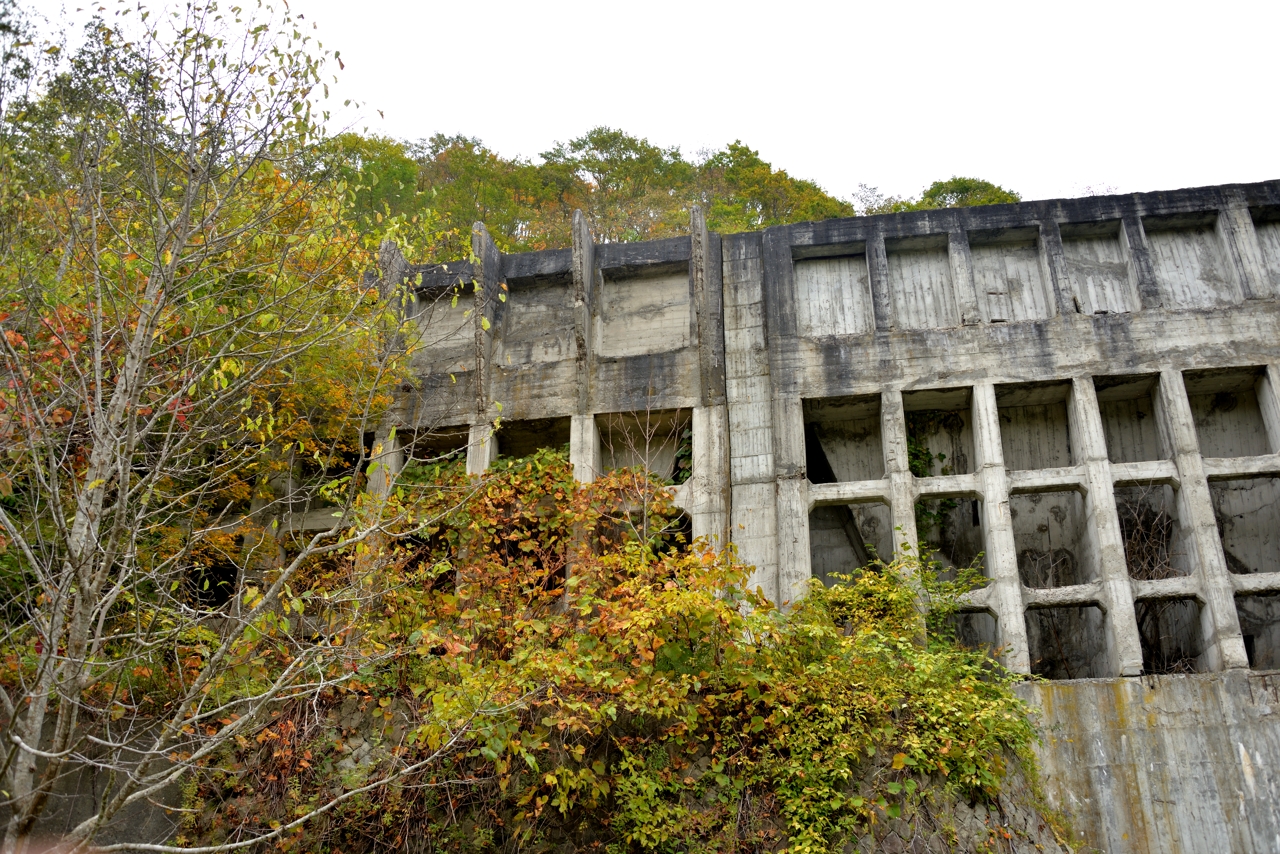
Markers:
point(1179, 764)
point(937, 823)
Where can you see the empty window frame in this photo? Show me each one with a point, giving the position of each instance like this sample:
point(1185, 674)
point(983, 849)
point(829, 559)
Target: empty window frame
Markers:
point(843, 439)
point(1068, 642)
point(1171, 632)
point(940, 443)
point(1228, 418)
point(660, 442)
point(1035, 430)
point(1049, 532)
point(1130, 419)
point(1247, 511)
point(1260, 625)
point(1156, 545)
point(845, 537)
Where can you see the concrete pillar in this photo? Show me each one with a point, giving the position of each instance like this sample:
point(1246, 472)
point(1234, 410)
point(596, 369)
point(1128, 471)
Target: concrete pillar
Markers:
point(1054, 268)
point(794, 571)
point(902, 489)
point(584, 448)
point(482, 448)
point(584, 300)
point(386, 461)
point(1005, 598)
point(1089, 449)
point(1133, 244)
point(878, 273)
point(962, 277)
point(710, 489)
point(486, 273)
point(1268, 390)
point(1224, 646)
point(1245, 266)
point(753, 509)
point(708, 303)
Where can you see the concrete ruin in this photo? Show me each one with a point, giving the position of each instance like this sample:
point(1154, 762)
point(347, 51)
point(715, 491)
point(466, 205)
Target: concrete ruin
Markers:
point(1082, 396)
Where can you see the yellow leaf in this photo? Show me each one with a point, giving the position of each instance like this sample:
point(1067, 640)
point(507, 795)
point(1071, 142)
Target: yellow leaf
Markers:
point(899, 761)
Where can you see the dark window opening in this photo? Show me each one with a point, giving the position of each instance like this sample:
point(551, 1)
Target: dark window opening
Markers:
point(1260, 624)
point(1171, 635)
point(1067, 642)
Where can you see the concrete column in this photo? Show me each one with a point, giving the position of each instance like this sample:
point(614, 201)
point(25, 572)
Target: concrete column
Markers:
point(386, 461)
point(794, 571)
point(486, 273)
point(1089, 449)
point(1268, 390)
point(1054, 267)
point(902, 488)
point(710, 489)
point(482, 448)
point(584, 448)
point(1224, 646)
point(1240, 246)
point(878, 273)
point(1005, 598)
point(753, 509)
point(962, 277)
point(584, 300)
point(708, 304)
point(1133, 244)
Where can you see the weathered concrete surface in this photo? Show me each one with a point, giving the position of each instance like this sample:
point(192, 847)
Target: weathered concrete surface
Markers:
point(1101, 374)
point(1171, 764)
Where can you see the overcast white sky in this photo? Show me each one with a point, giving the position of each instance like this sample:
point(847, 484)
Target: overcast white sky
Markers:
point(1043, 98)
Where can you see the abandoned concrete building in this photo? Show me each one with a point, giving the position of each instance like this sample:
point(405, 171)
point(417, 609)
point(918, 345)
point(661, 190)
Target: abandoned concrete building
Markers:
point(1081, 395)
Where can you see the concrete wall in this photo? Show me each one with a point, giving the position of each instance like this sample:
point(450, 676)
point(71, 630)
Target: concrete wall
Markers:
point(1101, 374)
point(1168, 764)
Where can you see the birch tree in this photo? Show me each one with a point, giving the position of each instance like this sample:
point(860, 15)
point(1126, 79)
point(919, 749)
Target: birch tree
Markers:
point(188, 363)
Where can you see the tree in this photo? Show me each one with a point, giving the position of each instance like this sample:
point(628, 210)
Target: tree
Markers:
point(953, 193)
point(188, 364)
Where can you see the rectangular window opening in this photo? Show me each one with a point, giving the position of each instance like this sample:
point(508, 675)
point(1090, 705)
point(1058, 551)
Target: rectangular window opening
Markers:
point(846, 537)
point(1260, 624)
point(977, 630)
point(517, 439)
point(940, 443)
point(659, 441)
point(1049, 535)
point(1155, 544)
point(1034, 427)
point(1228, 418)
point(1171, 634)
point(1067, 642)
point(842, 439)
point(1129, 419)
point(1248, 516)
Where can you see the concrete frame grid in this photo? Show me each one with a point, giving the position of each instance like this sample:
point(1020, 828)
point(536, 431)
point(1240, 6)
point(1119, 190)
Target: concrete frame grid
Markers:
point(1086, 300)
point(1094, 476)
point(980, 298)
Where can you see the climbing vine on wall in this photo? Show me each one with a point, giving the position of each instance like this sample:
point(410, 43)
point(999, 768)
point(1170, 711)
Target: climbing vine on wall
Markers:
point(921, 425)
